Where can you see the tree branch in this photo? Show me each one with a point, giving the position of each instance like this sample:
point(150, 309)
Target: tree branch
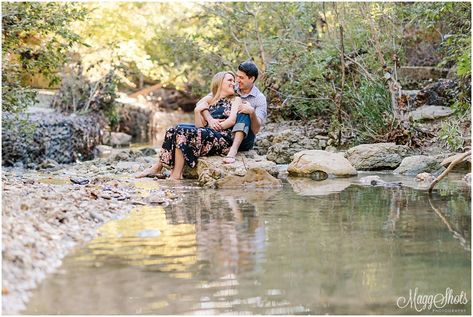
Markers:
point(449, 168)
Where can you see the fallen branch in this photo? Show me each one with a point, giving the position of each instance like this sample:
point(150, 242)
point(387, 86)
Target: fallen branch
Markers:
point(449, 168)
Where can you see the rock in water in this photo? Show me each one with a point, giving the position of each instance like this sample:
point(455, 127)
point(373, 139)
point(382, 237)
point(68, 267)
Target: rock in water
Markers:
point(370, 180)
point(320, 164)
point(417, 164)
point(376, 156)
point(375, 180)
point(425, 177)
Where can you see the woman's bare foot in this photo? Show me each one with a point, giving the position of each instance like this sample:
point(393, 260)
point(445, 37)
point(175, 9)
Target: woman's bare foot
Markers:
point(153, 170)
point(175, 176)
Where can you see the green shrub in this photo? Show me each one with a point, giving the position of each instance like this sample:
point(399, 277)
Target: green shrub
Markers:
point(369, 104)
point(450, 135)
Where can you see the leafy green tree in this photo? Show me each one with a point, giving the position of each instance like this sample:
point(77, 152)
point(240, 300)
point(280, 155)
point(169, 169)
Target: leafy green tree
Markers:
point(36, 39)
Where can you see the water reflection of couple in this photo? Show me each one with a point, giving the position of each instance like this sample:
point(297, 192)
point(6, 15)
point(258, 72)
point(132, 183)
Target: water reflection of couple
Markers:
point(225, 122)
point(229, 231)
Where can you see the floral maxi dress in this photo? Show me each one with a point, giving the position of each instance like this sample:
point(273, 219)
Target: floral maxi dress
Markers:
point(196, 142)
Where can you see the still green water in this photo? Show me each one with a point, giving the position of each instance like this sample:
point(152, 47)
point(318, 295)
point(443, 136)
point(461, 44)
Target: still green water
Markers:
point(297, 250)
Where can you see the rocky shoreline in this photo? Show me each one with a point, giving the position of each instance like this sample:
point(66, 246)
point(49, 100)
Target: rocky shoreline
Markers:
point(43, 222)
point(45, 215)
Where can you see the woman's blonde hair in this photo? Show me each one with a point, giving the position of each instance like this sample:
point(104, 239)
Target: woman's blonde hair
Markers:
point(216, 85)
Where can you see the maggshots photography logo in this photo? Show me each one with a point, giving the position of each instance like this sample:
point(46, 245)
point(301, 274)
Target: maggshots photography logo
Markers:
point(448, 302)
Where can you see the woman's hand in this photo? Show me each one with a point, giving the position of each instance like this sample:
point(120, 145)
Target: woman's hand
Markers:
point(215, 124)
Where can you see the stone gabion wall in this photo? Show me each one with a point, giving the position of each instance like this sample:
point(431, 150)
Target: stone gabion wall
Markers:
point(55, 136)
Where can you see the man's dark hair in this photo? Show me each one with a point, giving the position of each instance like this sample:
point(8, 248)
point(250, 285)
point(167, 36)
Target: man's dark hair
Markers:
point(249, 68)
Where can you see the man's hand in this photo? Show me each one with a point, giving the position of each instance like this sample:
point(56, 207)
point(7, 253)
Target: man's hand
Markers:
point(245, 107)
point(215, 124)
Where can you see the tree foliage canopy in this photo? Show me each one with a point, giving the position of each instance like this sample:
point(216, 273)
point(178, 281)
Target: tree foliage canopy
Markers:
point(36, 38)
point(296, 45)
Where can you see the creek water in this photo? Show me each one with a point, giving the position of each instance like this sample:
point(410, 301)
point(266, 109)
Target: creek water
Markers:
point(330, 247)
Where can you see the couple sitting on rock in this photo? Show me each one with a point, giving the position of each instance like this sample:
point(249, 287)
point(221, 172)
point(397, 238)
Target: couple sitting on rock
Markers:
point(226, 120)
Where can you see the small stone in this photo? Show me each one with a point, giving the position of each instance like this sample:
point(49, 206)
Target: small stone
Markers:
point(95, 216)
point(240, 171)
point(103, 151)
point(49, 163)
point(424, 177)
point(171, 195)
point(156, 200)
point(371, 180)
point(105, 196)
point(79, 180)
point(136, 202)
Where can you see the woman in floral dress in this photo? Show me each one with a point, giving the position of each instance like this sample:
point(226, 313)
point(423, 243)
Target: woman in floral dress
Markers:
point(185, 144)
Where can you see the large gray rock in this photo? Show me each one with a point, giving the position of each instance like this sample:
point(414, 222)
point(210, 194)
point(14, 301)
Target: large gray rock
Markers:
point(430, 113)
point(211, 169)
point(306, 163)
point(283, 152)
point(118, 139)
point(414, 165)
point(376, 156)
point(285, 144)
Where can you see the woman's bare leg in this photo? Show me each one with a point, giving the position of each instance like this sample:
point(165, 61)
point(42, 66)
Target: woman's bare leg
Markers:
point(179, 162)
point(153, 170)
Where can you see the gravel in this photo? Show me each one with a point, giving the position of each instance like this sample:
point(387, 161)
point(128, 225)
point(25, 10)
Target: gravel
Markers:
point(45, 216)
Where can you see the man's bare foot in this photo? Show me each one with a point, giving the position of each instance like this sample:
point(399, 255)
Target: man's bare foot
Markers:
point(229, 159)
